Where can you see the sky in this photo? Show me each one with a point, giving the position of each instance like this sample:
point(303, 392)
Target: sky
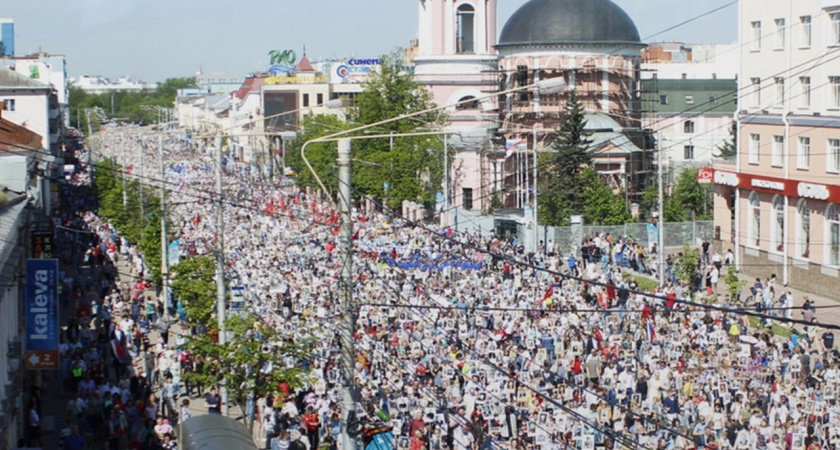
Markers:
point(157, 39)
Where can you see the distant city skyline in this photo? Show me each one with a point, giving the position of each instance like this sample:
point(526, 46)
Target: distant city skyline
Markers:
point(152, 41)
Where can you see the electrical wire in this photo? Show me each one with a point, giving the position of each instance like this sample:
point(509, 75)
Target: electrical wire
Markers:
point(465, 245)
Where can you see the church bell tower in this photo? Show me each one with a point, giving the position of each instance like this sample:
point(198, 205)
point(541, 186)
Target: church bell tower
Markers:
point(456, 27)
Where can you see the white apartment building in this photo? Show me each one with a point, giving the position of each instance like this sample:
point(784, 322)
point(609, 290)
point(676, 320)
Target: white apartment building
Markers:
point(779, 203)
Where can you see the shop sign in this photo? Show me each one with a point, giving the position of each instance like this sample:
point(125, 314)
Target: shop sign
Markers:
point(791, 188)
point(41, 310)
point(767, 184)
point(705, 174)
point(726, 178)
point(42, 244)
point(815, 191)
point(295, 80)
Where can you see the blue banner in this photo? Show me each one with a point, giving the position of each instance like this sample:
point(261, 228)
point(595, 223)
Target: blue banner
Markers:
point(174, 254)
point(41, 310)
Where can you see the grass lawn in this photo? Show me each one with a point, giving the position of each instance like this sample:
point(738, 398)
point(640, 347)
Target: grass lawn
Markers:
point(778, 330)
point(645, 284)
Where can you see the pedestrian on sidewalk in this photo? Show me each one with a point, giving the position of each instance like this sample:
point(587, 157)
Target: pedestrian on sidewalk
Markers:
point(34, 427)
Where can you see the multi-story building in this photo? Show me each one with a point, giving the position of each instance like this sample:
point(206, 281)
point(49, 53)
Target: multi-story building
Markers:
point(778, 204)
point(48, 69)
point(31, 104)
point(691, 118)
point(7, 37)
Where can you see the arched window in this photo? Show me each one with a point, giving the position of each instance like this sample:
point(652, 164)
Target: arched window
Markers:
point(832, 226)
point(688, 127)
point(465, 34)
point(468, 105)
point(755, 220)
point(777, 236)
point(803, 229)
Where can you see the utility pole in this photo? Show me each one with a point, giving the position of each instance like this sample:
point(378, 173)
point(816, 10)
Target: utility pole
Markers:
point(661, 224)
point(142, 175)
point(536, 222)
point(445, 207)
point(221, 304)
point(124, 170)
point(348, 319)
point(164, 238)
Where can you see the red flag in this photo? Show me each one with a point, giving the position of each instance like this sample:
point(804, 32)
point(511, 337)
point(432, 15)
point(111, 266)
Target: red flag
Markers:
point(336, 230)
point(549, 292)
point(314, 207)
point(362, 218)
point(269, 208)
point(297, 199)
point(282, 202)
point(356, 235)
point(197, 219)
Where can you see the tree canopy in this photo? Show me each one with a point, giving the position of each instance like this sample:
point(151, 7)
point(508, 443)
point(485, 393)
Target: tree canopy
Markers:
point(389, 169)
point(127, 105)
point(560, 193)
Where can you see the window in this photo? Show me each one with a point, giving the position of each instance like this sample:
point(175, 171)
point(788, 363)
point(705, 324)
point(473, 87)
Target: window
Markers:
point(755, 220)
point(688, 127)
point(780, 33)
point(9, 104)
point(689, 99)
point(468, 102)
point(835, 92)
point(832, 163)
point(522, 80)
point(756, 83)
point(755, 148)
point(467, 200)
point(688, 152)
point(778, 151)
point(803, 153)
point(803, 229)
point(465, 34)
point(756, 35)
point(777, 241)
point(835, 28)
point(805, 95)
point(832, 226)
point(305, 100)
point(319, 99)
point(805, 30)
point(663, 99)
point(780, 91)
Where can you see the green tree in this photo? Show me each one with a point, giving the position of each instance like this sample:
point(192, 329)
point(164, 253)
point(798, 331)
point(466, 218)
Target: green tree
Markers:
point(129, 106)
point(321, 155)
point(601, 206)
point(252, 362)
point(687, 264)
point(495, 201)
point(194, 284)
point(689, 200)
point(120, 201)
point(566, 164)
point(412, 165)
point(150, 247)
point(649, 201)
point(729, 149)
point(734, 283)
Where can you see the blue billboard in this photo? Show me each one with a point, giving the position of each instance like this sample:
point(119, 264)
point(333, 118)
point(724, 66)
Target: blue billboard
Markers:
point(41, 310)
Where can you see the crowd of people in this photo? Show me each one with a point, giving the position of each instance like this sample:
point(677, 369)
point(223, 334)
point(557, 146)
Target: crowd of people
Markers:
point(114, 377)
point(485, 351)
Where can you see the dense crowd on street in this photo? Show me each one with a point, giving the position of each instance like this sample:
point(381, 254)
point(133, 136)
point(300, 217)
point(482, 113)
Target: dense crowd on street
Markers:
point(459, 345)
point(117, 385)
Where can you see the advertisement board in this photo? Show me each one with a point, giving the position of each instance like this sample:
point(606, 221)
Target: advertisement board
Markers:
point(41, 310)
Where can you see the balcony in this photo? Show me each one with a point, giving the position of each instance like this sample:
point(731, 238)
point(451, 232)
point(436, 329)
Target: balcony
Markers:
point(830, 4)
